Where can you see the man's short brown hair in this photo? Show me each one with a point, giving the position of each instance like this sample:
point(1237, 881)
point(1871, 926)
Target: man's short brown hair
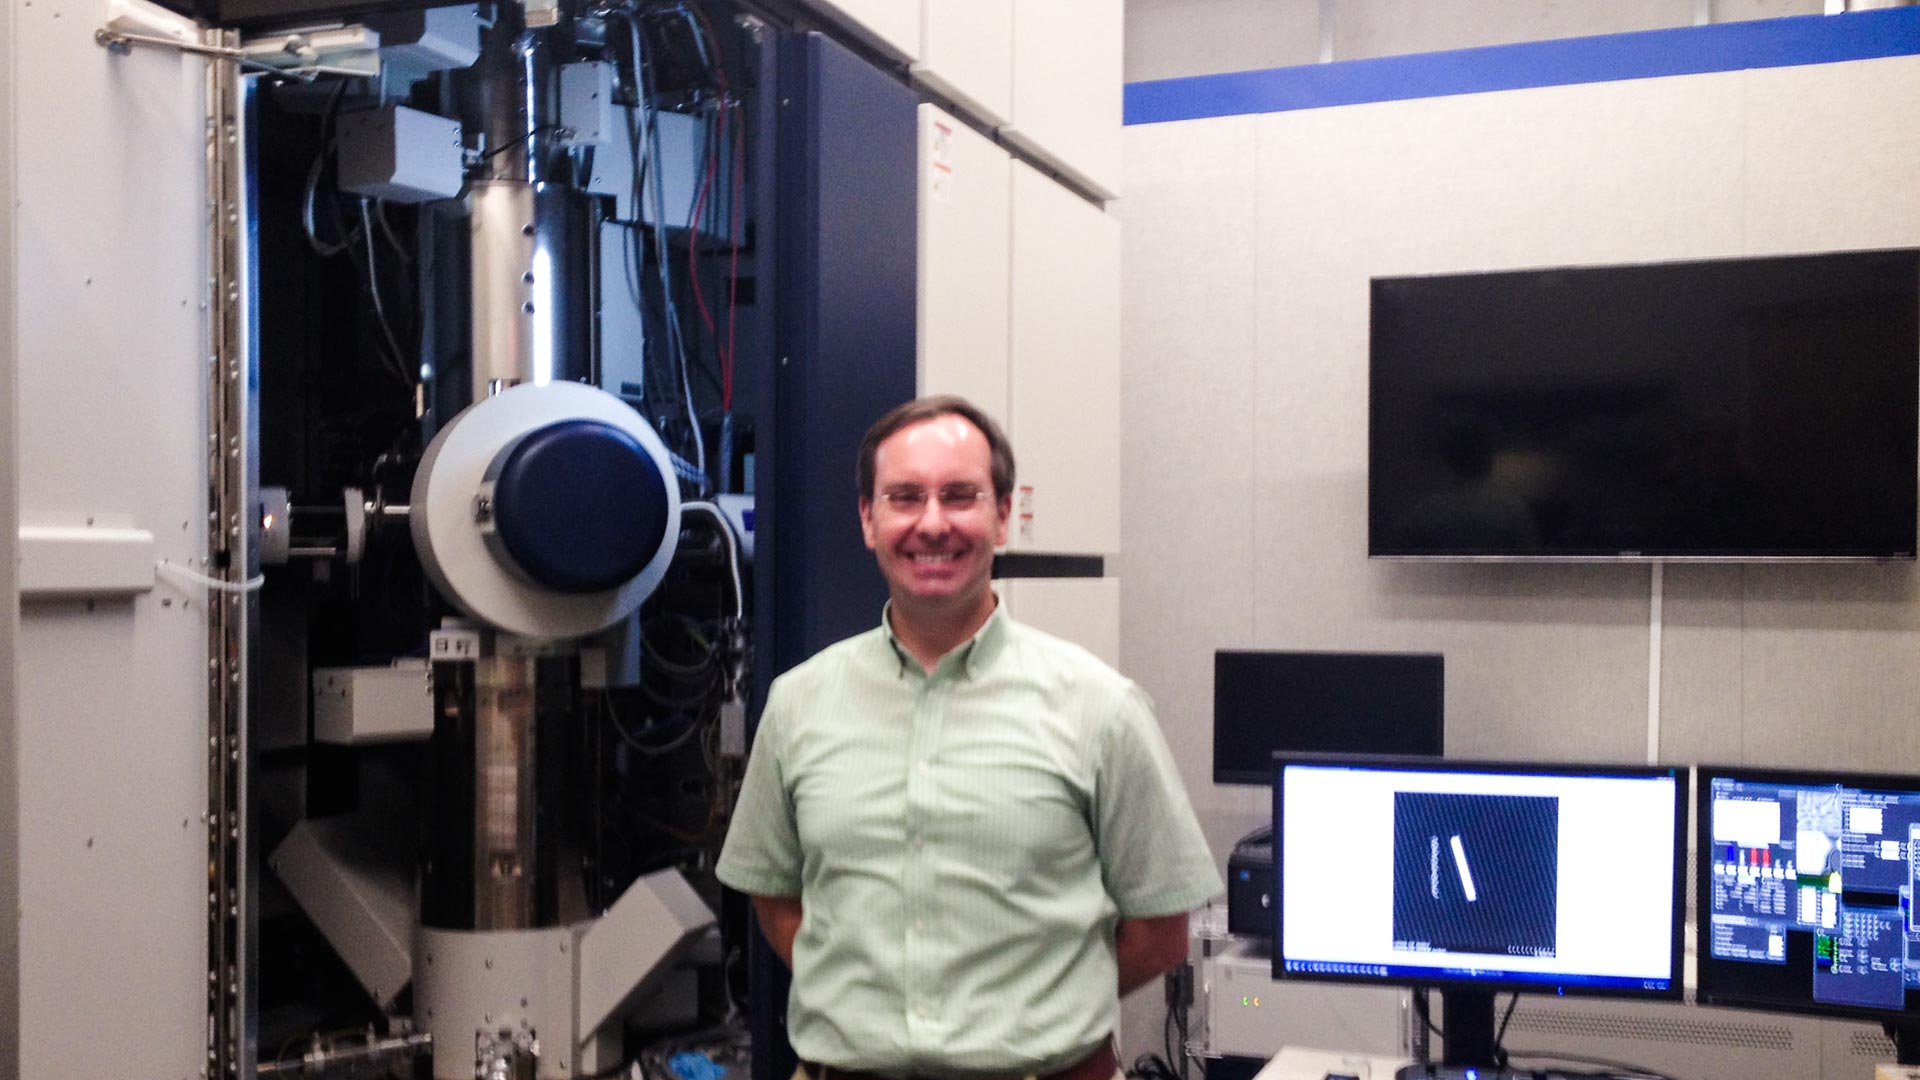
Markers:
point(928, 408)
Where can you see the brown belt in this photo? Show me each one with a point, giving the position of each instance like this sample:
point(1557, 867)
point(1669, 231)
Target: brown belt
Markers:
point(1101, 1064)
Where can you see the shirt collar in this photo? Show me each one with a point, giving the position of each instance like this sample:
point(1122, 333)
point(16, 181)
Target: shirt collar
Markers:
point(972, 655)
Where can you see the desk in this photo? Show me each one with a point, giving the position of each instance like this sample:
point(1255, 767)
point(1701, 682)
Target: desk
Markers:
point(1302, 1063)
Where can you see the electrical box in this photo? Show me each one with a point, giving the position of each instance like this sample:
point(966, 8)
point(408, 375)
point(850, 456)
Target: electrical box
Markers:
point(586, 102)
point(689, 168)
point(1247, 1013)
point(361, 705)
point(400, 154)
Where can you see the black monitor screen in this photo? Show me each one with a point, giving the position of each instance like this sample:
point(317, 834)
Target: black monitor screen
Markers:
point(1749, 408)
point(1805, 891)
point(1558, 878)
point(1336, 702)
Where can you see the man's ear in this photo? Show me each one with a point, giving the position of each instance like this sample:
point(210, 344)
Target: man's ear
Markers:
point(866, 521)
point(1003, 510)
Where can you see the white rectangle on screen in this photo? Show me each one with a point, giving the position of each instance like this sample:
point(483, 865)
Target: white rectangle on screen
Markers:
point(1748, 823)
point(1865, 820)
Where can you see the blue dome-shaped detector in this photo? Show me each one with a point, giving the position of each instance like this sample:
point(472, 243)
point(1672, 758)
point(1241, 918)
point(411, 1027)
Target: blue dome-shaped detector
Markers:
point(579, 505)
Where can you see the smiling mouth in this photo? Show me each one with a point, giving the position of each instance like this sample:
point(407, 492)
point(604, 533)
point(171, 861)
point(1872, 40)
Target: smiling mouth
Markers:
point(933, 560)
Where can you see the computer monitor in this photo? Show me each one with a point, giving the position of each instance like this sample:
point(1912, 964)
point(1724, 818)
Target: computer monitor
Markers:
point(1322, 702)
point(1478, 877)
point(1806, 883)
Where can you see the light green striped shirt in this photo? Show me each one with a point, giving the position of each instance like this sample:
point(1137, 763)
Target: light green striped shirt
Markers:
point(963, 844)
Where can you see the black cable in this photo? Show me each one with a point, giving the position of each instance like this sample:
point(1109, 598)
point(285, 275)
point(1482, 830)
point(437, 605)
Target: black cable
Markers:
point(1166, 1040)
point(1421, 1006)
point(1186, 1056)
point(1150, 1067)
point(511, 143)
point(308, 216)
point(1500, 1033)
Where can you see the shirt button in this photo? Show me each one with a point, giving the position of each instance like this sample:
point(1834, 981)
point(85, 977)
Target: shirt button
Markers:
point(920, 925)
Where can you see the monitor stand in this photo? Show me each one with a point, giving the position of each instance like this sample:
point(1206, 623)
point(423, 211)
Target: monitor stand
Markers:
point(1468, 1016)
point(1469, 1019)
point(1906, 1040)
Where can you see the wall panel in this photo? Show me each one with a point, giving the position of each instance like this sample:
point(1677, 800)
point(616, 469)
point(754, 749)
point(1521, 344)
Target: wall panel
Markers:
point(1186, 362)
point(966, 53)
point(1168, 39)
point(1064, 380)
point(1469, 183)
point(1067, 57)
point(1188, 423)
point(1833, 154)
point(1085, 611)
point(9, 585)
point(963, 262)
point(1777, 664)
point(1364, 28)
point(1702, 664)
point(108, 279)
point(1245, 352)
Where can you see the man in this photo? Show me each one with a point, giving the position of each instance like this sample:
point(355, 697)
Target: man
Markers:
point(965, 837)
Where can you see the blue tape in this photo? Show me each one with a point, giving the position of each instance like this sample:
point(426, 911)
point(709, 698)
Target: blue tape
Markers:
point(1648, 54)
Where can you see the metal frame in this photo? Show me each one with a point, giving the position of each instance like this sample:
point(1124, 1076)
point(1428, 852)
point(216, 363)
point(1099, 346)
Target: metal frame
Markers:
point(9, 589)
point(252, 14)
point(233, 541)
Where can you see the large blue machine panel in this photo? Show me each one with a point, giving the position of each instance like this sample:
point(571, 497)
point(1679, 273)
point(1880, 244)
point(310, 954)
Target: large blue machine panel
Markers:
point(846, 282)
point(845, 216)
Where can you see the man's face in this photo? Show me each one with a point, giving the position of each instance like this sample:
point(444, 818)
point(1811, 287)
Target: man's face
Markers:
point(934, 543)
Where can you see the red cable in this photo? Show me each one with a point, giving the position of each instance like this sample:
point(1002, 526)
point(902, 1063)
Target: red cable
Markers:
point(733, 269)
point(733, 214)
point(693, 233)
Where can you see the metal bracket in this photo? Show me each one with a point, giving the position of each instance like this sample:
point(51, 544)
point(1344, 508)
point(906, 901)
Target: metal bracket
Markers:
point(120, 44)
point(305, 58)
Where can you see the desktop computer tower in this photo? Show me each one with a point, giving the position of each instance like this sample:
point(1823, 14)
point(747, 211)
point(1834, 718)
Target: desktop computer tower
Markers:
point(1243, 1012)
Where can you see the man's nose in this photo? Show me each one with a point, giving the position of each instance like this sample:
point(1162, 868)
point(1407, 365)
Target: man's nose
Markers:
point(933, 519)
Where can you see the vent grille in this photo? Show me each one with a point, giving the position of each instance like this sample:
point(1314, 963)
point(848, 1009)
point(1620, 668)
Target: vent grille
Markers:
point(1868, 1043)
point(1653, 1029)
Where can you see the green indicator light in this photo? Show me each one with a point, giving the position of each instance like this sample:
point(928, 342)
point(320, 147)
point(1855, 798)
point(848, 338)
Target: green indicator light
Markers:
point(1245, 1001)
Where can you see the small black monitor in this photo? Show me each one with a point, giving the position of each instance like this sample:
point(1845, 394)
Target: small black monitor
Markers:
point(1322, 702)
point(1479, 876)
point(1805, 893)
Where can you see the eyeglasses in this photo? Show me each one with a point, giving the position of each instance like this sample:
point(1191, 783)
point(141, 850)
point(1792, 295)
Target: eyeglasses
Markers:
point(954, 499)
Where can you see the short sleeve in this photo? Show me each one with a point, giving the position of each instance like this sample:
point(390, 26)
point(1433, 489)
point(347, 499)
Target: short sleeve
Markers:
point(761, 855)
point(1153, 856)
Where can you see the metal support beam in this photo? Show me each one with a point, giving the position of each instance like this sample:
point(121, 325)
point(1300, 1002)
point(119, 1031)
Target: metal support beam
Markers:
point(232, 549)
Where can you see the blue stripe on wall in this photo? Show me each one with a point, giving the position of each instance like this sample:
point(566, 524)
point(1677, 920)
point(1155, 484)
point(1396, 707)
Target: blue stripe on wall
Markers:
point(1693, 50)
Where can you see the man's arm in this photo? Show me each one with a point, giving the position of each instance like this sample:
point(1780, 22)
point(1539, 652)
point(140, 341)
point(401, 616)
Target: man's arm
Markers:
point(780, 922)
point(1145, 948)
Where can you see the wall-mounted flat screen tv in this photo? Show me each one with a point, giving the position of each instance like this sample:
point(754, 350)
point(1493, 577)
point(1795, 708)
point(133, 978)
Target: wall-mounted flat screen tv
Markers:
point(1758, 408)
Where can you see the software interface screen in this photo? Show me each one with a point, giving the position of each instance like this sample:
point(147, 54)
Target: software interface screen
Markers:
point(1512, 877)
point(1812, 885)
